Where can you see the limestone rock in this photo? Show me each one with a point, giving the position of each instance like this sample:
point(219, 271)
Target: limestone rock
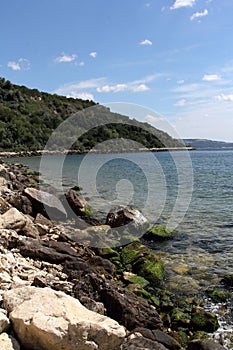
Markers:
point(45, 319)
point(45, 203)
point(12, 220)
point(8, 343)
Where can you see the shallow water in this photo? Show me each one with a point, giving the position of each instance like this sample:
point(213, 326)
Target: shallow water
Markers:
point(192, 191)
point(155, 183)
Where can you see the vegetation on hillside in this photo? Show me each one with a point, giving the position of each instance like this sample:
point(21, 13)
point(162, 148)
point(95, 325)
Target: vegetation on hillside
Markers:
point(28, 117)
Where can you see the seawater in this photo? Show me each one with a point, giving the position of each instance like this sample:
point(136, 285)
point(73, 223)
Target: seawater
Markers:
point(199, 184)
point(203, 250)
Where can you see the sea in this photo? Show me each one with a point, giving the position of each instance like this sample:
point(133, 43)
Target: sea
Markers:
point(190, 191)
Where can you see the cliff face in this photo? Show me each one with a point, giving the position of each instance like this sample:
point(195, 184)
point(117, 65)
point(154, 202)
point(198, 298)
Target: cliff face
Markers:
point(28, 117)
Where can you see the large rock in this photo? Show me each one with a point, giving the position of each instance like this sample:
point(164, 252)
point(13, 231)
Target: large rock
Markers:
point(13, 220)
point(202, 320)
point(127, 216)
point(77, 202)
point(161, 337)
point(138, 342)
point(48, 320)
point(46, 203)
point(207, 344)
point(122, 305)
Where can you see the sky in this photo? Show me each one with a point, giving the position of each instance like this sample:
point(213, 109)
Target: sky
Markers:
point(174, 57)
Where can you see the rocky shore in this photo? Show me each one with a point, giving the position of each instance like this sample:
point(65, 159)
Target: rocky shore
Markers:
point(73, 152)
point(56, 292)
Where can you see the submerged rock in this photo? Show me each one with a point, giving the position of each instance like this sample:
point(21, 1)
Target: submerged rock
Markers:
point(204, 320)
point(159, 233)
point(45, 319)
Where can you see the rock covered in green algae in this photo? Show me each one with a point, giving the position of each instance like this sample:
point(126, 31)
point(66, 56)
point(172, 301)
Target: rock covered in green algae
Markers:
point(217, 295)
point(159, 233)
point(204, 320)
point(140, 260)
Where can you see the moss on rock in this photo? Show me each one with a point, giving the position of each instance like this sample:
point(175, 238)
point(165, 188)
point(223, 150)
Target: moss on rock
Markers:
point(140, 260)
point(159, 233)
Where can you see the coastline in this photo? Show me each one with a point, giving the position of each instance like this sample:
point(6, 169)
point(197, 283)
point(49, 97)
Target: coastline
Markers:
point(59, 263)
point(38, 153)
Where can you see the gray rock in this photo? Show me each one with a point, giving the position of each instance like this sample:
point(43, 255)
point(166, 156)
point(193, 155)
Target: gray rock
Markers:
point(45, 203)
point(207, 344)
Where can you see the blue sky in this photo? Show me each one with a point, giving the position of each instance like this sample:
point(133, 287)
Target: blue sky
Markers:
point(174, 57)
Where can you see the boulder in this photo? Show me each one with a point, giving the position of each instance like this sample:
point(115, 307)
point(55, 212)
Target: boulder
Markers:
point(7, 342)
point(122, 305)
point(76, 202)
point(45, 203)
point(161, 337)
point(127, 216)
point(159, 233)
point(138, 342)
point(207, 344)
point(13, 220)
point(202, 320)
point(45, 319)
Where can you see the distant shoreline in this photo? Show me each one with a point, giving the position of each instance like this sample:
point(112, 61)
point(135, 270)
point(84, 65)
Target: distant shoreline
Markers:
point(78, 152)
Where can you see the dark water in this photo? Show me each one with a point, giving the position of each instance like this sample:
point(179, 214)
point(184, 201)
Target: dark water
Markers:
point(161, 185)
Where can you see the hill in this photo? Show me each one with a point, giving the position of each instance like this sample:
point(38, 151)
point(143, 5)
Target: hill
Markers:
point(29, 116)
point(208, 144)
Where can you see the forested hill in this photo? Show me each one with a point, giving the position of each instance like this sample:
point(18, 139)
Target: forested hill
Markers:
point(28, 117)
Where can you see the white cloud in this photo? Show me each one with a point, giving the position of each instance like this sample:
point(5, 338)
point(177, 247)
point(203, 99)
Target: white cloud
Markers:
point(14, 65)
point(146, 42)
point(139, 88)
point(21, 64)
point(223, 97)
point(181, 103)
point(133, 86)
point(181, 81)
point(153, 119)
point(211, 77)
point(182, 3)
point(65, 58)
point(199, 14)
point(93, 54)
point(81, 64)
point(73, 89)
point(82, 95)
point(112, 88)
